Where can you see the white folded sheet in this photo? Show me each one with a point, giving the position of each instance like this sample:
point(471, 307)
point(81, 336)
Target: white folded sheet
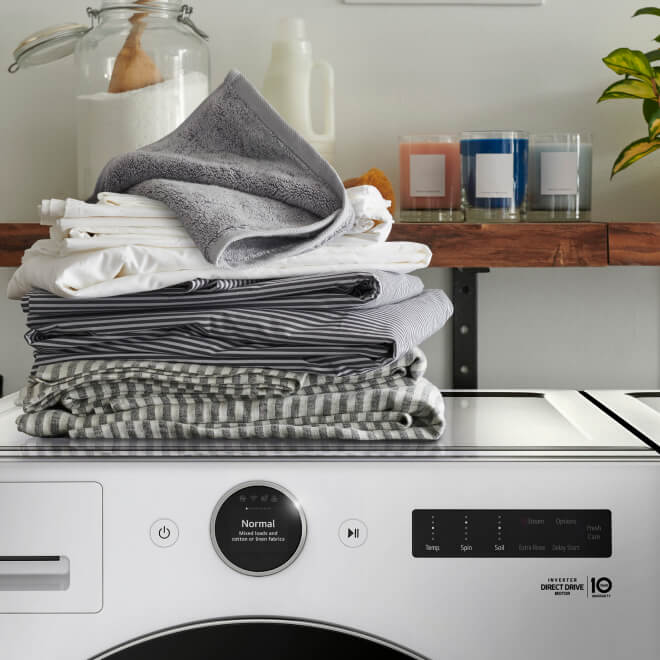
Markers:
point(372, 216)
point(82, 234)
point(109, 205)
point(128, 243)
point(128, 269)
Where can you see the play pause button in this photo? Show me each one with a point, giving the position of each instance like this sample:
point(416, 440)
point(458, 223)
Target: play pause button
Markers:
point(352, 533)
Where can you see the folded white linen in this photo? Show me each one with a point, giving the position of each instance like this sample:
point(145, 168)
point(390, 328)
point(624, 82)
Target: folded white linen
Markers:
point(130, 203)
point(50, 210)
point(121, 225)
point(128, 269)
point(373, 221)
point(367, 202)
point(109, 205)
point(81, 234)
point(366, 230)
point(76, 244)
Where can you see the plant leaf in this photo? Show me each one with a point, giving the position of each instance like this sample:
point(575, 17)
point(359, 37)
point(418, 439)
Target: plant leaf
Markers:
point(653, 55)
point(629, 63)
point(630, 88)
point(654, 128)
point(657, 38)
point(649, 11)
point(633, 152)
point(651, 110)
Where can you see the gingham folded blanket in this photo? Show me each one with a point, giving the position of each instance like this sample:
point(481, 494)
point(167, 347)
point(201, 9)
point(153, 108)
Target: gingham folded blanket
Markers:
point(185, 401)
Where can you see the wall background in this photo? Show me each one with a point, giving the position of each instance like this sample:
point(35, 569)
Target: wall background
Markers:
point(402, 70)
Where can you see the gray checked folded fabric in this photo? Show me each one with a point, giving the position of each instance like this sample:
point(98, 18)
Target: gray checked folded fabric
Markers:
point(401, 413)
point(185, 401)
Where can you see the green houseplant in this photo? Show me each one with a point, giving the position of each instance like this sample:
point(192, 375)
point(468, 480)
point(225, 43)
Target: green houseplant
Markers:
point(641, 81)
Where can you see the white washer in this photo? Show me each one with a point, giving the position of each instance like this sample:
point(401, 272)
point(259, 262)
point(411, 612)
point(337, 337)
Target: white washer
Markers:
point(637, 410)
point(532, 530)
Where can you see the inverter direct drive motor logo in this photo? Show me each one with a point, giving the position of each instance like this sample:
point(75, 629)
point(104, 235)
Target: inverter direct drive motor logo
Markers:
point(592, 587)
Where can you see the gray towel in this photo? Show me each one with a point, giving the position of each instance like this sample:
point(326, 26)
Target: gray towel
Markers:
point(246, 186)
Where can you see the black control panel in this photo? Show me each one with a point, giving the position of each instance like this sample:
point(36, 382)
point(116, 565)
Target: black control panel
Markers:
point(512, 533)
point(258, 528)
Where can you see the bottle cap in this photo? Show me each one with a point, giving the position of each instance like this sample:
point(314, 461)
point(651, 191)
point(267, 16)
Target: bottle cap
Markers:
point(292, 29)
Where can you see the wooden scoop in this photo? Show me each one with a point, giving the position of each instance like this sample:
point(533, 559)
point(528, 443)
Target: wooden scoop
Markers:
point(133, 68)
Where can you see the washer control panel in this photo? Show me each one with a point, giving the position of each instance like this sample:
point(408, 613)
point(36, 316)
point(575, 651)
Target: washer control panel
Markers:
point(258, 528)
point(512, 533)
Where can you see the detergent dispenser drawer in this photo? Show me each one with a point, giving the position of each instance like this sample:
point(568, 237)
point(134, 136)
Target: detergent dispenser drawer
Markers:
point(51, 545)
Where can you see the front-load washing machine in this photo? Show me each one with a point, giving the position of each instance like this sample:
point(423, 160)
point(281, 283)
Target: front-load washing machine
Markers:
point(531, 530)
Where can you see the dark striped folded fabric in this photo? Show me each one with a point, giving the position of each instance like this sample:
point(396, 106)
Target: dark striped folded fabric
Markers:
point(390, 403)
point(332, 324)
point(324, 291)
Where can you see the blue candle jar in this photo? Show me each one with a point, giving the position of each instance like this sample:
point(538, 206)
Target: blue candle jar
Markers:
point(494, 175)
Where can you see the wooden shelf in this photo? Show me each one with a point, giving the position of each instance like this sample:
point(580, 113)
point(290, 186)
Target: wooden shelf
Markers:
point(466, 245)
point(497, 245)
point(15, 238)
point(634, 243)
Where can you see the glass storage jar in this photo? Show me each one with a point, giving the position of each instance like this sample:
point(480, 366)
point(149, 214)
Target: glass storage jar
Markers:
point(143, 67)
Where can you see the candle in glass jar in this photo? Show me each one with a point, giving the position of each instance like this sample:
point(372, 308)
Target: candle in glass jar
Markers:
point(494, 175)
point(560, 176)
point(430, 172)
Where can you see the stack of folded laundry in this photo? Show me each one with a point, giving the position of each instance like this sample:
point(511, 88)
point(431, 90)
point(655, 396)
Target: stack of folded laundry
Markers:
point(238, 292)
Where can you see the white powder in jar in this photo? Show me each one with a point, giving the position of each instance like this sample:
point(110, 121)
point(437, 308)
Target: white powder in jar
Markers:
point(112, 124)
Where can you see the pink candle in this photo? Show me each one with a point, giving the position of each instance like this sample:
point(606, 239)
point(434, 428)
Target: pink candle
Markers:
point(430, 168)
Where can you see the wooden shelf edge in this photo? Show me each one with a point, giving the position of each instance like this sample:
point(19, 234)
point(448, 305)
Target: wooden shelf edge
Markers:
point(510, 245)
point(16, 237)
point(466, 245)
point(634, 243)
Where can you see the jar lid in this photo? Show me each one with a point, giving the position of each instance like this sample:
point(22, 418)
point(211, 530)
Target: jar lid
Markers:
point(47, 45)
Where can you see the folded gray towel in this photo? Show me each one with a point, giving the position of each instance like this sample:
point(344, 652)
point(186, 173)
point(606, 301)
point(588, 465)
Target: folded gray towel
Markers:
point(246, 186)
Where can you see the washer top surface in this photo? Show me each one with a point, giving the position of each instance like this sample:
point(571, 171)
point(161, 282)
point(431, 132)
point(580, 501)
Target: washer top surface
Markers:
point(480, 424)
point(638, 409)
point(651, 399)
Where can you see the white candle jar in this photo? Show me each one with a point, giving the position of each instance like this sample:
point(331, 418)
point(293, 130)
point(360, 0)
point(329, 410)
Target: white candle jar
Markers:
point(142, 69)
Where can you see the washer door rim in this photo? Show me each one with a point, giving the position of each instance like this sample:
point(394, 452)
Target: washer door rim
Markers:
point(109, 654)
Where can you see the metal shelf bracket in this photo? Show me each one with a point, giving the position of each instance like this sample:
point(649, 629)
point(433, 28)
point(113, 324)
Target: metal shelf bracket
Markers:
point(464, 296)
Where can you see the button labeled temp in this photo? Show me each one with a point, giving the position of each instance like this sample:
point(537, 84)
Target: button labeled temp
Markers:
point(352, 533)
point(164, 533)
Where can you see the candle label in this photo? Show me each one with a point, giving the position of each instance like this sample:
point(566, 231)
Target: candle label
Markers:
point(427, 175)
point(559, 172)
point(494, 174)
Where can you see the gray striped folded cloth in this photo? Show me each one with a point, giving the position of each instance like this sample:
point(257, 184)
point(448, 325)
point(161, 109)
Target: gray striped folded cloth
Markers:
point(308, 338)
point(323, 291)
point(414, 413)
point(94, 386)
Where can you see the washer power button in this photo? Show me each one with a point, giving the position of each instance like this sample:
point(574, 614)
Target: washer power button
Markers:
point(164, 533)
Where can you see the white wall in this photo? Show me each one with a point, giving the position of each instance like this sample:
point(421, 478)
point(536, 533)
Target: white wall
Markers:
point(415, 69)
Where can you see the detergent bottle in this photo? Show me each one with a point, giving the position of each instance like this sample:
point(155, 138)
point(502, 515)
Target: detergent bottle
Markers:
point(287, 85)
